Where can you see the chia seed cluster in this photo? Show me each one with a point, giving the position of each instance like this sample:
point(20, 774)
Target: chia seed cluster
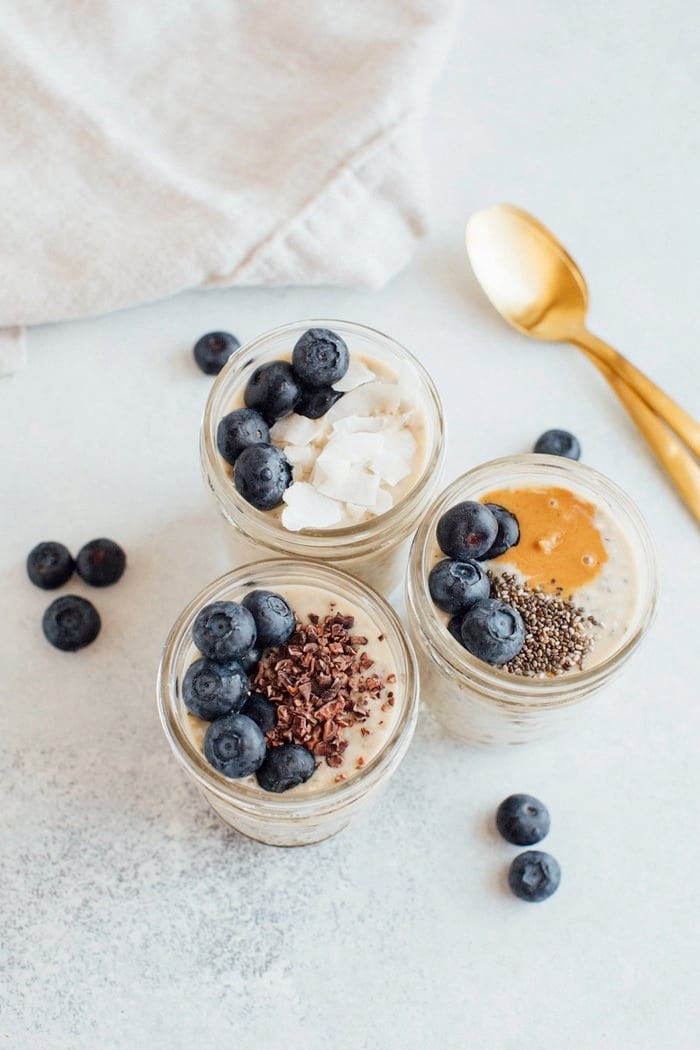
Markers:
point(557, 632)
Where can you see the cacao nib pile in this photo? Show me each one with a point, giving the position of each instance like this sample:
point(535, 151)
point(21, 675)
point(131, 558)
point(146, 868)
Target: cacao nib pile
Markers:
point(321, 682)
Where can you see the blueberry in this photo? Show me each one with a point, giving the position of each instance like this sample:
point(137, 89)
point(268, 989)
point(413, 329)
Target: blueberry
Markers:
point(238, 430)
point(212, 351)
point(211, 690)
point(224, 631)
point(273, 390)
point(454, 626)
point(100, 562)
point(508, 533)
point(534, 875)
point(466, 531)
point(314, 403)
point(273, 616)
point(493, 631)
point(234, 745)
point(320, 357)
point(71, 623)
point(250, 660)
point(558, 443)
point(455, 585)
point(261, 710)
point(49, 565)
point(261, 475)
point(285, 767)
point(522, 820)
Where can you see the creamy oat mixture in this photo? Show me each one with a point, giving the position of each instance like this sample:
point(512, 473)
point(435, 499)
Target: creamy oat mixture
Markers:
point(359, 459)
point(365, 737)
point(574, 549)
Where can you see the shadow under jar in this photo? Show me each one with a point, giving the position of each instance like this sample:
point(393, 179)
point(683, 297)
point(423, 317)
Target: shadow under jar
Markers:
point(488, 705)
point(375, 549)
point(324, 804)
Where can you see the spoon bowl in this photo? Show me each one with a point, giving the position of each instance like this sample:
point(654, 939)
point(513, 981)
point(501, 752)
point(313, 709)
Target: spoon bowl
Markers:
point(536, 286)
point(528, 276)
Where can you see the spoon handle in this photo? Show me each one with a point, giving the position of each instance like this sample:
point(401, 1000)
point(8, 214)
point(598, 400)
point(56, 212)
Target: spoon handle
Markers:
point(676, 460)
point(683, 424)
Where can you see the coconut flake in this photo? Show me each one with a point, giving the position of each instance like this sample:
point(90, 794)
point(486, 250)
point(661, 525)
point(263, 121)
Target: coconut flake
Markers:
point(298, 430)
point(345, 482)
point(301, 457)
point(371, 399)
point(383, 502)
point(308, 509)
point(394, 461)
point(407, 382)
point(353, 424)
point(357, 374)
point(328, 476)
point(353, 448)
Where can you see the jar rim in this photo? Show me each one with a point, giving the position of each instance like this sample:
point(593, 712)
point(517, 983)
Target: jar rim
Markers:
point(349, 538)
point(493, 682)
point(247, 797)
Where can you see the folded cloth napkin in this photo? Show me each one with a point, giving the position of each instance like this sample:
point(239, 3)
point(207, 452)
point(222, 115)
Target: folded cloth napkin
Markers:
point(149, 148)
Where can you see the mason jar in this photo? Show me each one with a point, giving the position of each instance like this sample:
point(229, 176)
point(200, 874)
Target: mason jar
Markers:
point(375, 550)
point(314, 810)
point(487, 705)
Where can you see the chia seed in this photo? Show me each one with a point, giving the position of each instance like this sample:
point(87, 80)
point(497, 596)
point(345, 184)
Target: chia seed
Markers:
point(558, 633)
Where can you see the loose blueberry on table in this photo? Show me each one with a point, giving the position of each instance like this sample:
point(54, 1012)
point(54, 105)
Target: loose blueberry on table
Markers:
point(522, 820)
point(212, 351)
point(71, 623)
point(534, 876)
point(100, 562)
point(49, 565)
point(558, 443)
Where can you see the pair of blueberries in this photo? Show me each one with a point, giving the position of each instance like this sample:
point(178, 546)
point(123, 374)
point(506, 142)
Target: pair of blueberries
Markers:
point(524, 820)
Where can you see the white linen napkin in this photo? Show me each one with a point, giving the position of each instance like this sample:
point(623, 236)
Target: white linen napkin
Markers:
point(153, 147)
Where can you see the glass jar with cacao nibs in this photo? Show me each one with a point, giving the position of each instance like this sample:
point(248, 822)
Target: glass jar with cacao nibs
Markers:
point(344, 686)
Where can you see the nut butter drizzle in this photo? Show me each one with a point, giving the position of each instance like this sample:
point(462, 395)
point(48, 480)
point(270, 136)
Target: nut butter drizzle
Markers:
point(560, 548)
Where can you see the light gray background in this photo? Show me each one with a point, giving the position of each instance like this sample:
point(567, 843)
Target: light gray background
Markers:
point(133, 918)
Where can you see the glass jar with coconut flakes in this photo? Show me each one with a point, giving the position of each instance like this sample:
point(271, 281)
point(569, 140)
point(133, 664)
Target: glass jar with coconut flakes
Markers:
point(343, 469)
point(341, 691)
point(567, 598)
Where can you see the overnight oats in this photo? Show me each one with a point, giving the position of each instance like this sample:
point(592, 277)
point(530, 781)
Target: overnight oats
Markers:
point(324, 440)
point(288, 702)
point(531, 581)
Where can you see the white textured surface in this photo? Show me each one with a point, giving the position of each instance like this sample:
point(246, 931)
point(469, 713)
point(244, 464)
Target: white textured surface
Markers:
point(131, 917)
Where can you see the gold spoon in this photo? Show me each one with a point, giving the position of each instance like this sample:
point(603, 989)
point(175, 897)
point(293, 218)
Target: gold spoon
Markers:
point(536, 286)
